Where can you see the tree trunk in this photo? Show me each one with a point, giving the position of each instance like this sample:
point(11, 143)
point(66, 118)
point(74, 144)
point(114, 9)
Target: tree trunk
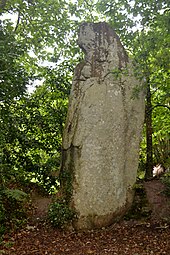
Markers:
point(148, 120)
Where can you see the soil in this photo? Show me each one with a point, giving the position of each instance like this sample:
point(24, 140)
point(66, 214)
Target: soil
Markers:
point(40, 206)
point(132, 237)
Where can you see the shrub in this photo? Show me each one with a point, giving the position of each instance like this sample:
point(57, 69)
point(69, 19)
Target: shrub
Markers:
point(12, 209)
point(59, 214)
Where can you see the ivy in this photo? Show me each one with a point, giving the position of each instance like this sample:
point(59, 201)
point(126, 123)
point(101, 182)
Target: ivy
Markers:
point(60, 214)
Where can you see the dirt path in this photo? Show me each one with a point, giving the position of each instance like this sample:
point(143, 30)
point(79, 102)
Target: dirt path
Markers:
point(123, 238)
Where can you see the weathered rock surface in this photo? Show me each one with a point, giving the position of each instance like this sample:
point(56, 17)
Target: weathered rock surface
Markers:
point(103, 129)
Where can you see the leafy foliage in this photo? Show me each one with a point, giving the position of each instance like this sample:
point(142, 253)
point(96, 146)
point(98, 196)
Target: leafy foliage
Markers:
point(13, 80)
point(35, 150)
point(12, 209)
point(59, 214)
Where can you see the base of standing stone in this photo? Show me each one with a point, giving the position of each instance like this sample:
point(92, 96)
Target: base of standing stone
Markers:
point(100, 221)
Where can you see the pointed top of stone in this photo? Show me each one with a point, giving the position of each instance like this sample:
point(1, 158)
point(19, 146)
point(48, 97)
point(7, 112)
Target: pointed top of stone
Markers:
point(96, 39)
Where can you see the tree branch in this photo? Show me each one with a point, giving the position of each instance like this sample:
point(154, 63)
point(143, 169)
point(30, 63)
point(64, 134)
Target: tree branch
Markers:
point(18, 20)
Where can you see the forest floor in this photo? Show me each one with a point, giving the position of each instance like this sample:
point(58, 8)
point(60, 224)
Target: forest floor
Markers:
point(132, 237)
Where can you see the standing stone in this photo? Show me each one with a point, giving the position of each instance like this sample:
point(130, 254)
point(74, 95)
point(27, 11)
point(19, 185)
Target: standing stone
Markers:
point(103, 130)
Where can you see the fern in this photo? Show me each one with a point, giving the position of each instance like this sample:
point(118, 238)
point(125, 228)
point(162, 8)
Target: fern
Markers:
point(15, 194)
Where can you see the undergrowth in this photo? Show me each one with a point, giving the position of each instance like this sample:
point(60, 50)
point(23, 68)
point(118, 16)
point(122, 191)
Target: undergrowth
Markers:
point(140, 208)
point(12, 209)
point(60, 214)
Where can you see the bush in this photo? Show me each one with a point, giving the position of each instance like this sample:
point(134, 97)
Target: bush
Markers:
point(12, 209)
point(59, 214)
